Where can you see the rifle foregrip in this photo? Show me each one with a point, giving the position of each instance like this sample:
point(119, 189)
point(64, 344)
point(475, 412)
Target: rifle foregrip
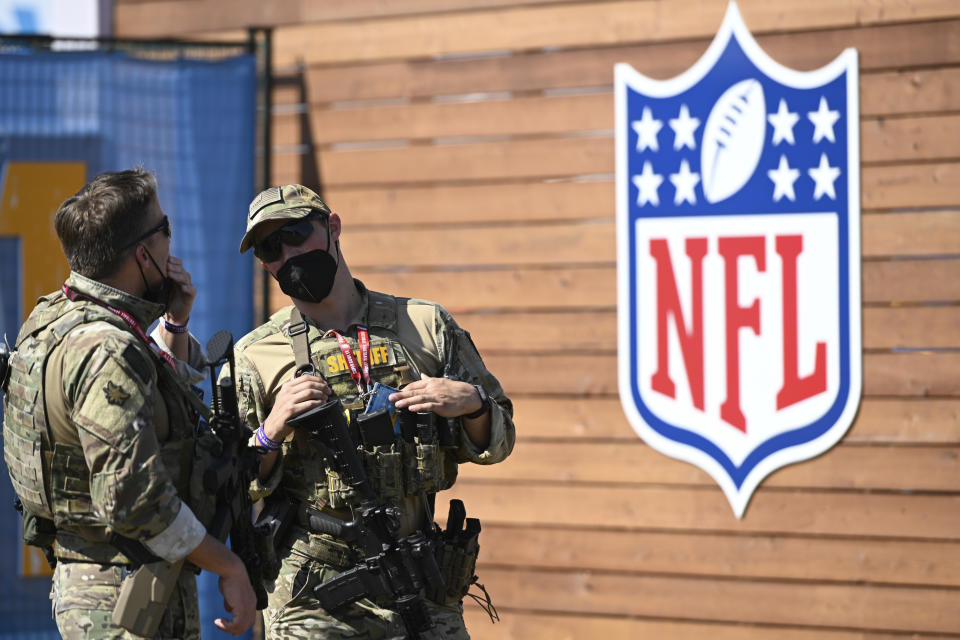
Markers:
point(321, 522)
point(353, 584)
point(228, 396)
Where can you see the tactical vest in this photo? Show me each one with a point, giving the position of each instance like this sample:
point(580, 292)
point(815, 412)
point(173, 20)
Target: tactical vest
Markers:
point(51, 478)
point(401, 470)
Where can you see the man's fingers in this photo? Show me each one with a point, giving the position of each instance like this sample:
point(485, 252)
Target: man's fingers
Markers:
point(228, 625)
point(413, 402)
point(309, 395)
point(234, 627)
point(306, 384)
point(414, 386)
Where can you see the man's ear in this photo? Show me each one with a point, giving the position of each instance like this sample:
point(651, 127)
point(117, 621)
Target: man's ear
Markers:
point(335, 226)
point(140, 255)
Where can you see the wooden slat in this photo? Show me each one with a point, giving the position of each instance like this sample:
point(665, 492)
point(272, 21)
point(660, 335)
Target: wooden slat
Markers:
point(900, 374)
point(919, 374)
point(889, 468)
point(926, 233)
point(917, 327)
point(493, 203)
point(165, 17)
point(902, 92)
point(910, 186)
point(901, 187)
point(577, 25)
point(523, 625)
point(870, 607)
point(521, 116)
point(908, 139)
point(883, 328)
point(880, 420)
point(899, 140)
point(896, 46)
point(493, 245)
point(902, 281)
point(836, 513)
point(523, 288)
point(509, 160)
point(884, 139)
point(567, 289)
point(592, 241)
point(736, 556)
point(174, 18)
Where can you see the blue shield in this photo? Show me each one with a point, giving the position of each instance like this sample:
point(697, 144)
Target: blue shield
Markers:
point(738, 244)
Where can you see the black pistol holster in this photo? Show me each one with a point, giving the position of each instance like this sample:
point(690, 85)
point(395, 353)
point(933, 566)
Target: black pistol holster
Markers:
point(272, 527)
point(457, 551)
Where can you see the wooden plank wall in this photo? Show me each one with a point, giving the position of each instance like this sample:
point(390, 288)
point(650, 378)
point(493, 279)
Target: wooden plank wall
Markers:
point(468, 146)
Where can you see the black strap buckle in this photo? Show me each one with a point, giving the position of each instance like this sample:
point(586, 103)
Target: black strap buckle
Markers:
point(297, 328)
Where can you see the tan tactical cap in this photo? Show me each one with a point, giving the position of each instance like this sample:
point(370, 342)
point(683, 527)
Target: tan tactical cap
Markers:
point(289, 202)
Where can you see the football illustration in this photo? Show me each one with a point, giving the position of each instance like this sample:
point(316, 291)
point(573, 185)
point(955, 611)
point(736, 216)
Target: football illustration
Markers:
point(733, 140)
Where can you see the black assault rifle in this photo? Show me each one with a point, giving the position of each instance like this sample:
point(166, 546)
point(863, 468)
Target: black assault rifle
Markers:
point(404, 570)
point(235, 466)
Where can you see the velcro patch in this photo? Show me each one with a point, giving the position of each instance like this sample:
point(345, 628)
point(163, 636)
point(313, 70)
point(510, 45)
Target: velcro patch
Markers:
point(264, 198)
point(115, 394)
point(138, 362)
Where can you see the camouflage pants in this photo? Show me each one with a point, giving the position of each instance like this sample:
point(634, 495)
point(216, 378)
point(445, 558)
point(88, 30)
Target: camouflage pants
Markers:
point(294, 614)
point(84, 594)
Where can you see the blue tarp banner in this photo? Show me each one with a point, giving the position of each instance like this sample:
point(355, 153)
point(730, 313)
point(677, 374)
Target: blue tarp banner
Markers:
point(190, 122)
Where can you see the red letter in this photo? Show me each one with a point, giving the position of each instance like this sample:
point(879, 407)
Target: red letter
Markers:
point(794, 387)
point(731, 249)
point(668, 303)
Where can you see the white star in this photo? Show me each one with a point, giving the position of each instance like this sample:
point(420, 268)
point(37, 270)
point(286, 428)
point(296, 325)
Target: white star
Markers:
point(684, 182)
point(783, 178)
point(683, 127)
point(647, 184)
point(783, 121)
point(823, 120)
point(824, 176)
point(647, 128)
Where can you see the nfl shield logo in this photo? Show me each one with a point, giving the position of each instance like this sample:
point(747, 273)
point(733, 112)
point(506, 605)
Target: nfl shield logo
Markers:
point(738, 241)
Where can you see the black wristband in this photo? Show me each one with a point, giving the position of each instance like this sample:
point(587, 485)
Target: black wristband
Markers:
point(484, 407)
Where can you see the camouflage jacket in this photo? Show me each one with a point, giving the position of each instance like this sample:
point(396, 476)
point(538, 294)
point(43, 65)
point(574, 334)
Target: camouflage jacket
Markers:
point(115, 425)
point(408, 337)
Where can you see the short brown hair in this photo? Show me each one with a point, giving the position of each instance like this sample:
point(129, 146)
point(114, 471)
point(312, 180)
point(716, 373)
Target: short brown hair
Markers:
point(96, 225)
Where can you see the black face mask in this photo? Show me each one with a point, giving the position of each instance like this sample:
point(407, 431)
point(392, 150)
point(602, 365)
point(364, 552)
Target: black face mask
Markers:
point(158, 293)
point(309, 276)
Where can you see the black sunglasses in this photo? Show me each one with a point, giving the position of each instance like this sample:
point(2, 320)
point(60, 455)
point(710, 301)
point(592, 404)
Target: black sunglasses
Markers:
point(164, 226)
point(293, 234)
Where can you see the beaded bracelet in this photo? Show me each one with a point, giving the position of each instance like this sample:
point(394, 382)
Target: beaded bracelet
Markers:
point(175, 328)
point(266, 442)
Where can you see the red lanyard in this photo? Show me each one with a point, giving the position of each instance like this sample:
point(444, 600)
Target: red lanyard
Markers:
point(364, 339)
point(126, 317)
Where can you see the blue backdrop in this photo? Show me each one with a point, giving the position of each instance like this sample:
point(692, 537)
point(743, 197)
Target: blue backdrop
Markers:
point(191, 123)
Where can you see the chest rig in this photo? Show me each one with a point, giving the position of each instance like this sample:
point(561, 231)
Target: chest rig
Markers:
point(417, 461)
point(48, 471)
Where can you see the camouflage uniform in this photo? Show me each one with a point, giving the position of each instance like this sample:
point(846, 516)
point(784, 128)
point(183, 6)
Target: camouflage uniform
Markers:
point(108, 426)
point(407, 338)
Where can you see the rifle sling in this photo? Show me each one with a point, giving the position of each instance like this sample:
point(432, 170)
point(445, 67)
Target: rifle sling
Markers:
point(299, 336)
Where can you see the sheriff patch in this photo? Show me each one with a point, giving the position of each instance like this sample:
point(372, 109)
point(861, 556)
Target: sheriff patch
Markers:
point(381, 355)
point(115, 394)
